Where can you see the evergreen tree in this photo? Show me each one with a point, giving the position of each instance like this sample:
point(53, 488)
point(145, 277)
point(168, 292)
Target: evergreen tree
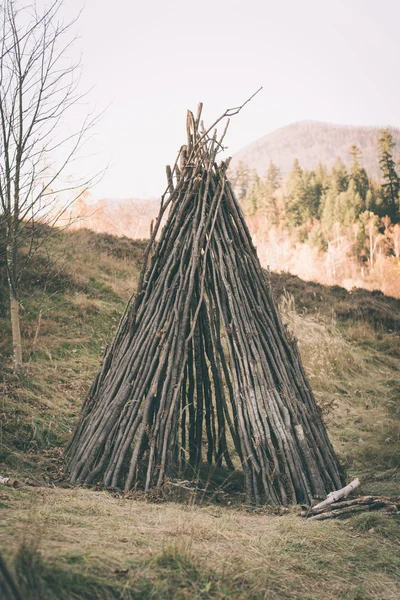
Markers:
point(391, 183)
point(370, 200)
point(304, 196)
point(329, 211)
point(273, 179)
point(295, 196)
point(343, 208)
point(269, 206)
point(323, 181)
point(322, 177)
point(340, 177)
point(254, 195)
point(314, 192)
point(358, 174)
point(241, 181)
point(349, 206)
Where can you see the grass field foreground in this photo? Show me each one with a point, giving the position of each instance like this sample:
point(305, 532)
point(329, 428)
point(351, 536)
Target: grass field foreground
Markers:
point(89, 543)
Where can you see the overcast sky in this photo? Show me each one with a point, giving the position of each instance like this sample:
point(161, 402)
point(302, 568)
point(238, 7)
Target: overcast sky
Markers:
point(148, 61)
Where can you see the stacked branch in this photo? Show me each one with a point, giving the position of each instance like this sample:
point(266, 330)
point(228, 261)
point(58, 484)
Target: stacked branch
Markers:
point(202, 369)
point(347, 508)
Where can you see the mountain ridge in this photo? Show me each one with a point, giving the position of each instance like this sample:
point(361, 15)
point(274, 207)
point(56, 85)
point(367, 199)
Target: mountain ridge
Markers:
point(314, 141)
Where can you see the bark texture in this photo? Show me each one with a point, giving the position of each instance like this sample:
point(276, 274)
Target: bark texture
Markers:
point(16, 333)
point(202, 369)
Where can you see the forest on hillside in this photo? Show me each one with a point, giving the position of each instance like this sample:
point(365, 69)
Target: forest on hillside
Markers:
point(336, 226)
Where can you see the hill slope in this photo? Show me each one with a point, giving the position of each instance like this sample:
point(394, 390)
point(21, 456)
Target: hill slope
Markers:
point(311, 142)
point(89, 543)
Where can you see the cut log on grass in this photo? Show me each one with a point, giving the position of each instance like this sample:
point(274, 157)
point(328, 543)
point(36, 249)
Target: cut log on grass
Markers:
point(320, 509)
point(349, 507)
point(202, 370)
point(335, 496)
point(348, 511)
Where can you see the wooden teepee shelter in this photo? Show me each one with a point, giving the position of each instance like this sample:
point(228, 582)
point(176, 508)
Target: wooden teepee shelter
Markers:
point(202, 368)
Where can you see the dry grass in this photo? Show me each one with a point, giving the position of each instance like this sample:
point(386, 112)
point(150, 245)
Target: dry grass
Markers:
point(257, 555)
point(354, 375)
point(77, 543)
point(80, 295)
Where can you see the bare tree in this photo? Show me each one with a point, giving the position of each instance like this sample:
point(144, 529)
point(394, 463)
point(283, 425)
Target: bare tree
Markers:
point(39, 85)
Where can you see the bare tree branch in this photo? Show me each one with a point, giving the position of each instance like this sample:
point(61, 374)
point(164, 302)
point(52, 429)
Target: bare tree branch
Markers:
point(38, 88)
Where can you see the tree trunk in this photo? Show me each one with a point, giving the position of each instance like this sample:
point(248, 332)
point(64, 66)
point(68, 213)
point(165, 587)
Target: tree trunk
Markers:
point(16, 333)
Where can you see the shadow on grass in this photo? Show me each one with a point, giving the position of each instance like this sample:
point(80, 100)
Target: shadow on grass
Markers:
point(172, 574)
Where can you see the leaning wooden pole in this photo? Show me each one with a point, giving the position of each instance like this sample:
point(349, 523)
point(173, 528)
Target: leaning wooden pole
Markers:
point(201, 368)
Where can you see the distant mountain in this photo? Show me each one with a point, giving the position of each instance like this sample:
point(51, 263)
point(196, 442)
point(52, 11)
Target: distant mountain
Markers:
point(311, 142)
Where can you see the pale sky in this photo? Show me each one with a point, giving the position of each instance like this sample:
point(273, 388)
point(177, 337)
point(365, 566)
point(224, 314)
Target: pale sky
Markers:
point(148, 61)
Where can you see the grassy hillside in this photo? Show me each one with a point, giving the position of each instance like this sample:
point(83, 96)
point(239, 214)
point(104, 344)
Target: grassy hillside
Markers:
point(67, 542)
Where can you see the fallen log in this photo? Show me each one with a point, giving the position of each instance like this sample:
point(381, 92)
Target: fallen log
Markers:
point(347, 507)
point(360, 500)
point(349, 510)
point(342, 493)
